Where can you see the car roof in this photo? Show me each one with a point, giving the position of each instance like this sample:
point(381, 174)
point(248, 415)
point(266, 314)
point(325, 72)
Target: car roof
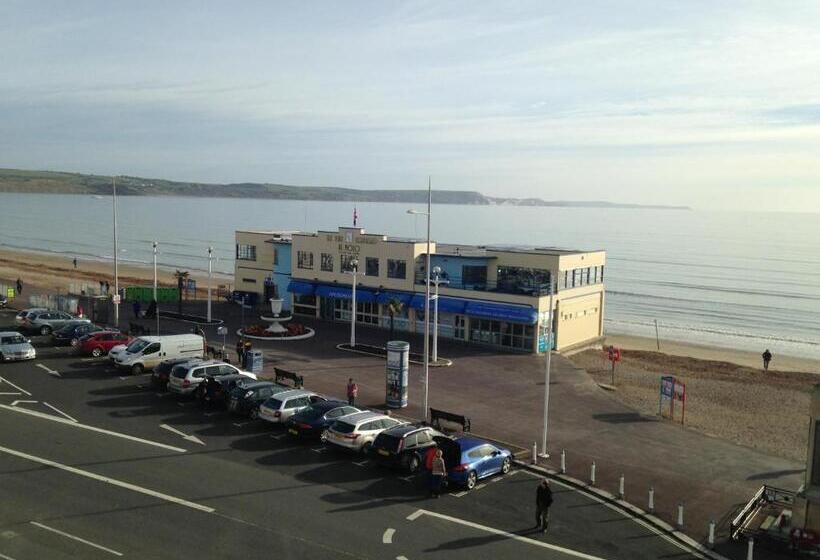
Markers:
point(330, 405)
point(404, 429)
point(359, 417)
point(10, 333)
point(211, 363)
point(253, 384)
point(294, 393)
point(467, 442)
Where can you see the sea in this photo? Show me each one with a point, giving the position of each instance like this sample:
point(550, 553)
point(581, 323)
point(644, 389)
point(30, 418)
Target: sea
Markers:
point(740, 280)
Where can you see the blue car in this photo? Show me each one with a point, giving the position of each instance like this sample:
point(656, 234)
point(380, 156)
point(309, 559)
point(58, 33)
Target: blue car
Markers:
point(470, 459)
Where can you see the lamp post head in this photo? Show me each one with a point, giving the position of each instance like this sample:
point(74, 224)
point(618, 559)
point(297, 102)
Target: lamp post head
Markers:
point(437, 271)
point(417, 212)
point(355, 264)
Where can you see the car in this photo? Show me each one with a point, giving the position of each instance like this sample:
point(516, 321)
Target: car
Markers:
point(73, 331)
point(44, 322)
point(100, 343)
point(4, 301)
point(247, 397)
point(356, 432)
point(20, 318)
point(115, 352)
point(281, 406)
point(469, 459)
point(310, 422)
point(14, 346)
point(185, 378)
point(405, 446)
point(217, 390)
point(161, 373)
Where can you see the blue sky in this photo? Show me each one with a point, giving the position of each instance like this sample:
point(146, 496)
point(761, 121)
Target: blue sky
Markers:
point(714, 105)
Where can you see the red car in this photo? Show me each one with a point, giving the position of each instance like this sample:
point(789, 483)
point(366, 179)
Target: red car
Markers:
point(99, 343)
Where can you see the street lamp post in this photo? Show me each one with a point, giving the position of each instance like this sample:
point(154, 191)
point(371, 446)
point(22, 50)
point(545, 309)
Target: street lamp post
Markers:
point(116, 298)
point(544, 453)
point(156, 301)
point(436, 281)
point(426, 299)
point(210, 266)
point(354, 271)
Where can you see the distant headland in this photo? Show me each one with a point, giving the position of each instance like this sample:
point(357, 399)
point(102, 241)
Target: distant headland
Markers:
point(57, 182)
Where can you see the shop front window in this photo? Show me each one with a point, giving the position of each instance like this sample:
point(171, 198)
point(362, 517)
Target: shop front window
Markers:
point(304, 304)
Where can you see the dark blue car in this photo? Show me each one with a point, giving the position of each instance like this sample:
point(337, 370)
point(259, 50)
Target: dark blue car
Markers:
point(318, 417)
point(469, 459)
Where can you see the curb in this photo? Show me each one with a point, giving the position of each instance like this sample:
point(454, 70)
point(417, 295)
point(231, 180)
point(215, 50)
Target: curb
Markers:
point(630, 509)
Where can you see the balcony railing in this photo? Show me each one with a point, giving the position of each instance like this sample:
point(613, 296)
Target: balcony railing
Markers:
point(535, 290)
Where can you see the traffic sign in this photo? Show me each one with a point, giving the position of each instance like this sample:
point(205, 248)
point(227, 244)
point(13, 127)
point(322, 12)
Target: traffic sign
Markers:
point(10, 293)
point(116, 299)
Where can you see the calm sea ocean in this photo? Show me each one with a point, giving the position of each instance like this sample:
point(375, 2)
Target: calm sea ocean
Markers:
point(739, 280)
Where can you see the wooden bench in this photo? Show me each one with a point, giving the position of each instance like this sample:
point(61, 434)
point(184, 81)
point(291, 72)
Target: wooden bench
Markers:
point(436, 416)
point(285, 375)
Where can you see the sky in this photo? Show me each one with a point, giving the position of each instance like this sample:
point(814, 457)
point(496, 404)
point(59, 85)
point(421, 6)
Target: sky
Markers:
point(715, 105)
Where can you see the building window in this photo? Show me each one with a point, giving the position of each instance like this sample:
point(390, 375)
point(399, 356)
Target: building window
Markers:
point(249, 280)
point(396, 268)
point(474, 277)
point(347, 262)
point(601, 274)
point(304, 304)
point(245, 252)
point(371, 267)
point(367, 312)
point(502, 333)
point(327, 262)
point(520, 280)
point(304, 259)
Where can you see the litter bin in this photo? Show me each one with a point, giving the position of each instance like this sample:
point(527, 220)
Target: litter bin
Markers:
point(253, 361)
point(398, 368)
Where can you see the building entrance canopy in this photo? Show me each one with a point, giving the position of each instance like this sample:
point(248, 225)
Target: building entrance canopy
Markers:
point(363, 295)
point(502, 312)
point(302, 288)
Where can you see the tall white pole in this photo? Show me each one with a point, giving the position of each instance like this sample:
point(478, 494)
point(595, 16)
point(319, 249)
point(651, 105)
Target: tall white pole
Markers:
point(210, 262)
point(435, 322)
point(547, 373)
point(116, 259)
point(354, 272)
point(156, 301)
point(427, 305)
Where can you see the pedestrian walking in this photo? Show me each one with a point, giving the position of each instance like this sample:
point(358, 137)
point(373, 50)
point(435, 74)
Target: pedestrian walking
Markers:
point(75, 263)
point(437, 473)
point(767, 357)
point(19, 286)
point(102, 287)
point(240, 351)
point(107, 288)
point(543, 501)
point(137, 307)
point(352, 392)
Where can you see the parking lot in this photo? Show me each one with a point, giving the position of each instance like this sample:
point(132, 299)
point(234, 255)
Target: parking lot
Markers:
point(97, 463)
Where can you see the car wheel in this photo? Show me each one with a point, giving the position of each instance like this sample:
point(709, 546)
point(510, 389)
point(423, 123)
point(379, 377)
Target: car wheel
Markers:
point(254, 413)
point(366, 446)
point(136, 369)
point(505, 466)
point(45, 330)
point(472, 479)
point(413, 463)
point(97, 352)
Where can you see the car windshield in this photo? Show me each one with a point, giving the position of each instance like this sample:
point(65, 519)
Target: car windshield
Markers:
point(137, 346)
point(14, 339)
point(387, 441)
point(180, 371)
point(310, 413)
point(343, 427)
point(274, 404)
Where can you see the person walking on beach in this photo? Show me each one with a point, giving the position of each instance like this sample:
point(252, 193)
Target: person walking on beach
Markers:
point(75, 263)
point(352, 392)
point(19, 286)
point(767, 357)
point(437, 474)
point(543, 501)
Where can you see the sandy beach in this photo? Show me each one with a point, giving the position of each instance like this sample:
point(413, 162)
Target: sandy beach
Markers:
point(56, 273)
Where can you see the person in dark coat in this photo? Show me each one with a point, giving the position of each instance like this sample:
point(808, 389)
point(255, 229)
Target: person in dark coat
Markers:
point(137, 308)
point(240, 351)
point(767, 357)
point(19, 286)
point(543, 501)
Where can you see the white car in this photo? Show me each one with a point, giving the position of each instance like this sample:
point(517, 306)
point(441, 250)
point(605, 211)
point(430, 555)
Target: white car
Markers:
point(357, 431)
point(116, 351)
point(281, 406)
point(186, 377)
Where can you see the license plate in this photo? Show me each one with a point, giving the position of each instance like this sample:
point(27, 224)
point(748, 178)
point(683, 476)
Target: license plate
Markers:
point(294, 431)
point(384, 452)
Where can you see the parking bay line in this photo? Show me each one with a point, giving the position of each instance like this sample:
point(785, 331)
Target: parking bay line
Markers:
point(387, 537)
point(76, 538)
point(107, 480)
point(568, 551)
point(53, 418)
point(4, 557)
point(58, 411)
point(49, 370)
point(4, 380)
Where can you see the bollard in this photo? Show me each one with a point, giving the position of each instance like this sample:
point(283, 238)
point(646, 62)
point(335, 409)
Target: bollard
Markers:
point(651, 507)
point(680, 515)
point(563, 461)
point(711, 540)
point(534, 453)
point(750, 551)
point(592, 473)
point(621, 487)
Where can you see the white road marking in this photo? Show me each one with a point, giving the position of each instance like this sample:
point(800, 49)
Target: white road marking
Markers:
point(124, 377)
point(401, 557)
point(407, 478)
point(387, 537)
point(14, 393)
point(318, 449)
point(511, 536)
point(415, 515)
point(107, 480)
point(185, 436)
point(479, 487)
point(53, 418)
point(15, 402)
point(49, 370)
point(4, 380)
point(459, 494)
point(4, 557)
point(240, 424)
point(76, 538)
point(362, 463)
point(55, 409)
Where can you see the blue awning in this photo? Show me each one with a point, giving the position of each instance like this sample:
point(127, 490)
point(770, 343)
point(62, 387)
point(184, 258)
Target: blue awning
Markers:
point(502, 312)
point(343, 292)
point(304, 288)
point(403, 297)
point(445, 304)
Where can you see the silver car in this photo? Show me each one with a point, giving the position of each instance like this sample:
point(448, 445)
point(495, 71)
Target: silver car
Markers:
point(186, 377)
point(44, 322)
point(20, 318)
point(14, 346)
point(357, 431)
point(282, 406)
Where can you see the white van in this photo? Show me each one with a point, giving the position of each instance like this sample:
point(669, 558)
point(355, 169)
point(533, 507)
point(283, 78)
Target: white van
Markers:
point(146, 352)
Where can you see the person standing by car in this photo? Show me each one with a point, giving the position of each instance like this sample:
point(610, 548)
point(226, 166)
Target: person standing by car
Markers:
point(19, 286)
point(543, 501)
point(352, 392)
point(437, 474)
point(240, 352)
point(767, 357)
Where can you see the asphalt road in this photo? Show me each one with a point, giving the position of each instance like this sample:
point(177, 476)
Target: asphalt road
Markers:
point(90, 469)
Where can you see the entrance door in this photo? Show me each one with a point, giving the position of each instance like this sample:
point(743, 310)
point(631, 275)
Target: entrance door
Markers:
point(326, 308)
